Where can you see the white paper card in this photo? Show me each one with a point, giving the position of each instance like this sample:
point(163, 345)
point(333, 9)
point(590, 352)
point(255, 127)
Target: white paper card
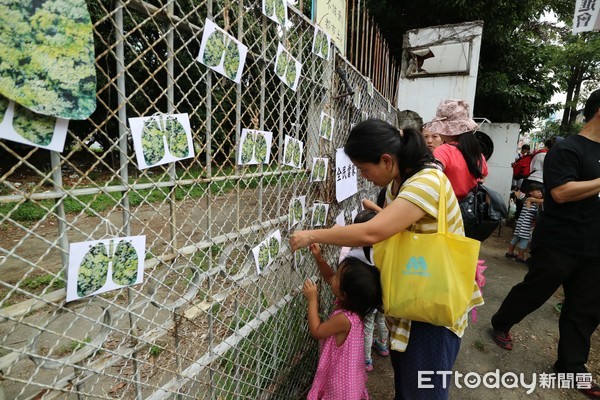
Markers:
point(319, 169)
point(21, 125)
point(292, 152)
point(287, 68)
point(346, 182)
point(319, 214)
point(161, 139)
point(222, 52)
point(102, 265)
point(254, 147)
point(297, 212)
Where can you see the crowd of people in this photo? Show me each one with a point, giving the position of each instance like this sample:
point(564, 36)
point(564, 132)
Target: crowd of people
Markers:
point(442, 162)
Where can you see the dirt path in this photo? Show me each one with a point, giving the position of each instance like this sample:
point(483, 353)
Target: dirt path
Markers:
point(536, 339)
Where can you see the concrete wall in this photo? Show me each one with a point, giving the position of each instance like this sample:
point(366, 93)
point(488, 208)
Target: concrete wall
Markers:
point(505, 137)
point(423, 92)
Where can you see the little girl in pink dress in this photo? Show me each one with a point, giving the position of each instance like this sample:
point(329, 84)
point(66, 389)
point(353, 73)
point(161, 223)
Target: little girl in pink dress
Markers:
point(341, 371)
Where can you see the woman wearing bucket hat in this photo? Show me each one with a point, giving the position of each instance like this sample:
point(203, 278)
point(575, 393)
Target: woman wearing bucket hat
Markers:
point(460, 155)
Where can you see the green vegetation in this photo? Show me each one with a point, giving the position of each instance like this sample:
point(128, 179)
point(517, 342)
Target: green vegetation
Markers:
point(73, 347)
point(155, 350)
point(28, 210)
point(41, 281)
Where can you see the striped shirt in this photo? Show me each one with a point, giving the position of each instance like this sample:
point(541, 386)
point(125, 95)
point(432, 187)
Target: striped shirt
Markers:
point(524, 225)
point(423, 190)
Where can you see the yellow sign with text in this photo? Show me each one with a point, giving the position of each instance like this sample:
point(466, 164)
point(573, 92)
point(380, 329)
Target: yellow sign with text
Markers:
point(331, 16)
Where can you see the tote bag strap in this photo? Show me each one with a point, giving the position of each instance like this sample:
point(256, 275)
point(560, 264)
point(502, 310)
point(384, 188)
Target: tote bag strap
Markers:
point(442, 219)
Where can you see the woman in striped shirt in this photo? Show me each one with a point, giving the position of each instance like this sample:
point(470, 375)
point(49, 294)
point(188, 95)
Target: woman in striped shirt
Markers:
point(400, 161)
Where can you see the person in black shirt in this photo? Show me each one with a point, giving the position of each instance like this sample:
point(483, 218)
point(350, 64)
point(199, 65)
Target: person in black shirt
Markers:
point(565, 250)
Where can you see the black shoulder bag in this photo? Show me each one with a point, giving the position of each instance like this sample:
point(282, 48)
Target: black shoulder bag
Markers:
point(482, 212)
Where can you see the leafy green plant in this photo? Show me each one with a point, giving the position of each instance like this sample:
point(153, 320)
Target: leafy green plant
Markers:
point(155, 350)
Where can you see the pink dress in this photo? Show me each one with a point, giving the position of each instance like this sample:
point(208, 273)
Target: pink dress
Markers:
point(341, 371)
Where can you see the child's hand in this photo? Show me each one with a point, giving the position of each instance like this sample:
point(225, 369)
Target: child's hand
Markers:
point(315, 250)
point(309, 290)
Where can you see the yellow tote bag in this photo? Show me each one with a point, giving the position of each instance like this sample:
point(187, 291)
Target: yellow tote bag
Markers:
point(427, 277)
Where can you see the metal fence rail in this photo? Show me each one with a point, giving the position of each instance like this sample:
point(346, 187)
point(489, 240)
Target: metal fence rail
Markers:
point(203, 324)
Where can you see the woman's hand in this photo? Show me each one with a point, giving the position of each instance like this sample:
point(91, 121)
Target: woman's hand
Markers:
point(300, 239)
point(309, 290)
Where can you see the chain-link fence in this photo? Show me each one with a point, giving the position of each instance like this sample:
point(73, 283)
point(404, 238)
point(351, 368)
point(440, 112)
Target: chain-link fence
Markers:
point(204, 324)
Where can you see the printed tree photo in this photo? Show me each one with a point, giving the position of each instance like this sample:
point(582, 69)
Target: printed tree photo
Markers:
point(214, 50)
point(319, 214)
point(231, 63)
point(176, 137)
point(125, 264)
point(247, 152)
point(36, 128)
point(275, 10)
point(93, 270)
point(263, 256)
point(281, 64)
point(273, 247)
point(321, 44)
point(3, 107)
point(261, 148)
point(287, 68)
point(319, 171)
point(326, 127)
point(160, 139)
point(222, 52)
point(153, 146)
point(21, 125)
point(296, 213)
point(292, 152)
point(90, 264)
point(48, 60)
